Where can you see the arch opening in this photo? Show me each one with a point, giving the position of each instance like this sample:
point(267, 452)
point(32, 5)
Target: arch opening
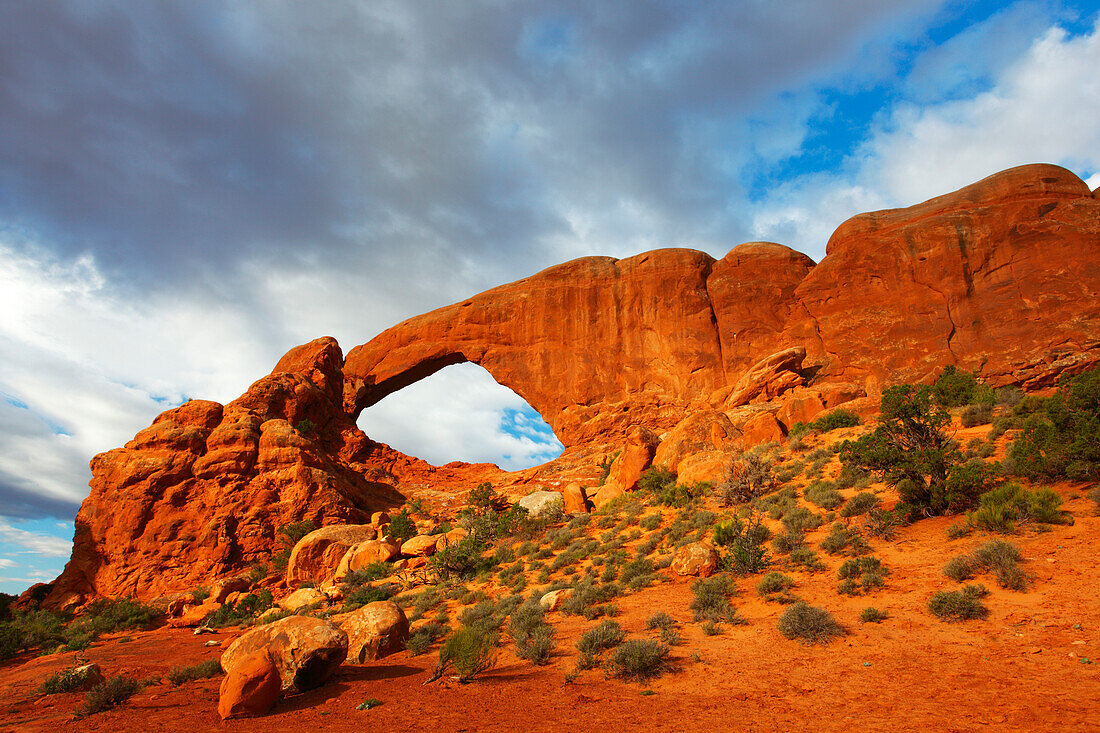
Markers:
point(460, 413)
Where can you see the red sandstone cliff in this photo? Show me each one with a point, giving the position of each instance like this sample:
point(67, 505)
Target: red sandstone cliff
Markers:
point(1000, 277)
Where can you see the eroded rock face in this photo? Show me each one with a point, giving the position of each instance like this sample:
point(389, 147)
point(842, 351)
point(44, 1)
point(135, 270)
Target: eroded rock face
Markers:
point(201, 492)
point(1001, 277)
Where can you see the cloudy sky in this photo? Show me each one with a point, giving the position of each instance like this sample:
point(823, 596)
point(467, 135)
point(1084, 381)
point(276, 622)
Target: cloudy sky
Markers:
point(188, 189)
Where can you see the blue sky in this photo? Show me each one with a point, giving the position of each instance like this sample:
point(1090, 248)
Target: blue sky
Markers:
point(189, 189)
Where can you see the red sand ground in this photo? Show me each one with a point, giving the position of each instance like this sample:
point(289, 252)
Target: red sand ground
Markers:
point(1019, 670)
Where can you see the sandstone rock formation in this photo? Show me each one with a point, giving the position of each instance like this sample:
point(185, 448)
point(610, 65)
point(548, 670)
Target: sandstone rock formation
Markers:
point(1001, 277)
point(201, 492)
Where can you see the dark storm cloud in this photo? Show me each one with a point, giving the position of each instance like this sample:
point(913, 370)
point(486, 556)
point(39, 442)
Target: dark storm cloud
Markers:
point(29, 503)
point(176, 138)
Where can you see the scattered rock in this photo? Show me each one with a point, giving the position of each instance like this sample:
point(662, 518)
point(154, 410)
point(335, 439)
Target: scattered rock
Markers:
point(552, 600)
point(576, 501)
point(420, 546)
point(696, 558)
point(374, 631)
point(305, 650)
point(87, 676)
point(316, 556)
point(363, 554)
point(301, 598)
point(252, 687)
point(221, 589)
point(538, 503)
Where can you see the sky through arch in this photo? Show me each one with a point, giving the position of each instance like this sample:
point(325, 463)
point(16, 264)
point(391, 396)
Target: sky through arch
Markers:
point(461, 413)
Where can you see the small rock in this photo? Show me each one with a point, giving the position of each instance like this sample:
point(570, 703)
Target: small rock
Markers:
point(552, 600)
point(204, 630)
point(213, 642)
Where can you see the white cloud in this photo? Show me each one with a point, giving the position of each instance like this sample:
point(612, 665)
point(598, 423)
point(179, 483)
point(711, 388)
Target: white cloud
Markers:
point(33, 542)
point(457, 414)
point(1042, 107)
point(1093, 181)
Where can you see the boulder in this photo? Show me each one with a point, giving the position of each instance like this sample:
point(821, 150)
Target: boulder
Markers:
point(696, 558)
point(306, 651)
point(86, 676)
point(552, 600)
point(539, 503)
point(576, 501)
point(606, 493)
point(801, 406)
point(363, 554)
point(316, 556)
point(631, 463)
point(251, 688)
point(420, 546)
point(301, 598)
point(700, 431)
point(374, 631)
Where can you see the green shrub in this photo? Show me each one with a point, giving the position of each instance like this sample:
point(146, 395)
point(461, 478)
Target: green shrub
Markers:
point(201, 671)
point(639, 660)
point(960, 568)
point(872, 615)
point(245, 610)
point(958, 530)
point(660, 620)
point(909, 448)
point(423, 636)
point(861, 574)
point(954, 388)
point(744, 540)
point(959, 605)
point(368, 704)
point(67, 680)
point(108, 694)
point(462, 560)
point(784, 543)
point(844, 539)
point(809, 624)
point(533, 637)
point(605, 635)
point(801, 519)
point(1002, 507)
point(823, 494)
point(1002, 560)
point(839, 418)
point(469, 651)
point(774, 583)
point(710, 628)
point(286, 537)
point(638, 573)
point(656, 480)
point(975, 415)
point(1094, 497)
point(711, 602)
point(402, 528)
point(650, 522)
point(1063, 438)
point(807, 558)
point(882, 523)
point(366, 574)
point(861, 503)
point(748, 476)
